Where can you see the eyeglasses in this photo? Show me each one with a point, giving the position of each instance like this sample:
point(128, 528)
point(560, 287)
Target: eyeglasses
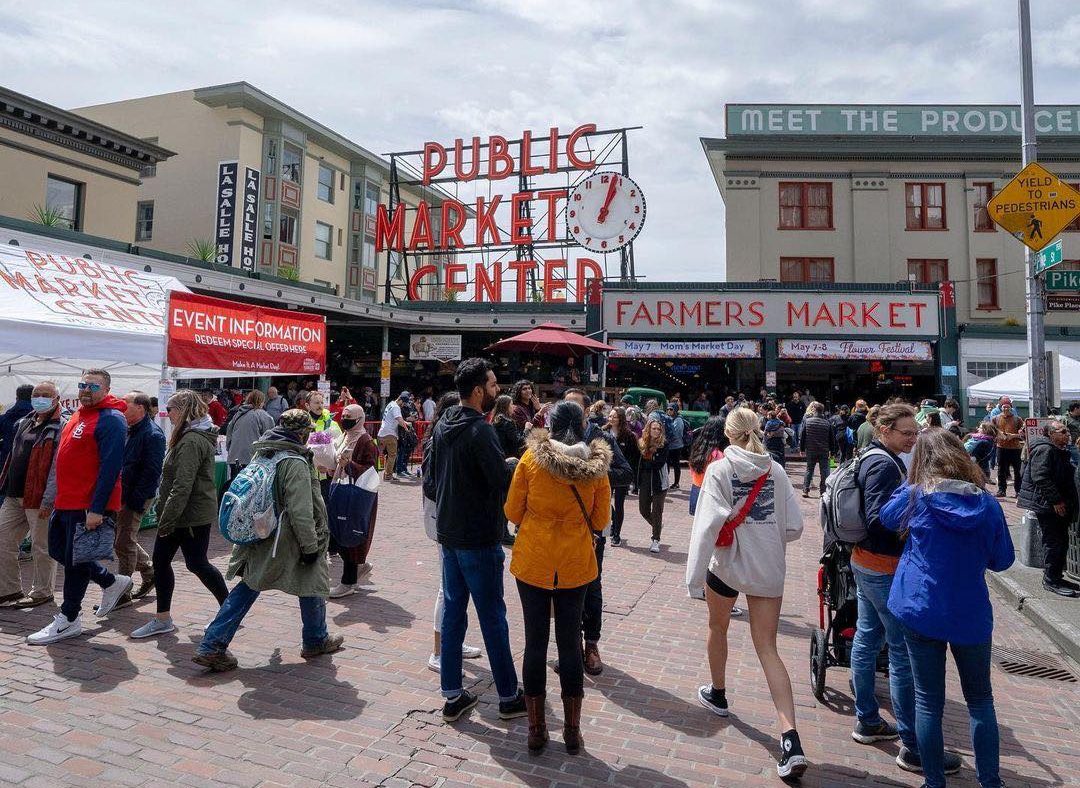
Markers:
point(906, 433)
point(169, 408)
point(93, 388)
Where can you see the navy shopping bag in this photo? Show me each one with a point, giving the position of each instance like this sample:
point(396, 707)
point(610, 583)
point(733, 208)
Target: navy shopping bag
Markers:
point(349, 512)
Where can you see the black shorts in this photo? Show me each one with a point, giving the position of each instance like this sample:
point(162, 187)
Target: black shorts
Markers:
point(720, 587)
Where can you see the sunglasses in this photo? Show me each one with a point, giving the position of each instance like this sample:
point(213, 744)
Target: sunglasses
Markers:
point(91, 387)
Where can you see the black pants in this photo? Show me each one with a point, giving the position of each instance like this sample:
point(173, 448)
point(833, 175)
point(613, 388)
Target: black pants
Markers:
point(1055, 542)
point(618, 510)
point(536, 606)
point(1008, 458)
point(593, 611)
point(77, 577)
point(821, 461)
point(651, 506)
point(676, 465)
point(193, 542)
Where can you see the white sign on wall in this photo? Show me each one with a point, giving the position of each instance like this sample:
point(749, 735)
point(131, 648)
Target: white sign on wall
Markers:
point(658, 348)
point(754, 313)
point(871, 350)
point(435, 347)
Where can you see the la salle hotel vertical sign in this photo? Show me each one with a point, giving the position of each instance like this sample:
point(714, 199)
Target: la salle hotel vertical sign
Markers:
point(225, 212)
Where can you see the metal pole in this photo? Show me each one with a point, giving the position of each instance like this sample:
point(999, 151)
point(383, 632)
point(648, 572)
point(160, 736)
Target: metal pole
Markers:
point(385, 348)
point(1035, 288)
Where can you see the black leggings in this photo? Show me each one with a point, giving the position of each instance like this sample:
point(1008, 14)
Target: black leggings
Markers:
point(674, 459)
point(193, 542)
point(618, 510)
point(536, 606)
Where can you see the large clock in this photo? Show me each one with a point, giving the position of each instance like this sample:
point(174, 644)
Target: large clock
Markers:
point(605, 212)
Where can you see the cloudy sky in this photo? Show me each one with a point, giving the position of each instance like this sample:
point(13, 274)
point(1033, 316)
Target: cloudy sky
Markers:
point(393, 74)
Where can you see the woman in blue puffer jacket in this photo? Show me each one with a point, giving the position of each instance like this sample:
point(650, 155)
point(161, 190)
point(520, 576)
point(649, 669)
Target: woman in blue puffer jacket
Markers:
point(955, 532)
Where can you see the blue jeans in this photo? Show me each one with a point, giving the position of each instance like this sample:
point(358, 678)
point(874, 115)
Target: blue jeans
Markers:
point(237, 604)
point(479, 573)
point(973, 665)
point(876, 625)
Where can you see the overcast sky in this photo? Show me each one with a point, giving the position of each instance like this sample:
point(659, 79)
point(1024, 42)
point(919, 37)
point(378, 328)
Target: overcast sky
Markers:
point(391, 75)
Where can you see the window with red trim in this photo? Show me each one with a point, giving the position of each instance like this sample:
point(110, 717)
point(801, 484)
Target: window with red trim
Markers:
point(806, 269)
point(805, 206)
point(925, 206)
point(928, 271)
point(983, 192)
point(987, 275)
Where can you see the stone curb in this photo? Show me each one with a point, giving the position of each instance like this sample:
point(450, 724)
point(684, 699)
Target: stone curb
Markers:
point(1064, 635)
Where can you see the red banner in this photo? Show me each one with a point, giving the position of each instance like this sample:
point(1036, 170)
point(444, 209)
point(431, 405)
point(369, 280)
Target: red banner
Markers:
point(211, 333)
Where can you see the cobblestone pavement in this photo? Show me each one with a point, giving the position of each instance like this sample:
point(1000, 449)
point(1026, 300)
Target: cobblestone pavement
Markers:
point(104, 709)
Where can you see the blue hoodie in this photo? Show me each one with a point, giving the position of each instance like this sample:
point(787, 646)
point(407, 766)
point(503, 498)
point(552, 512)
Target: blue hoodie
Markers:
point(956, 533)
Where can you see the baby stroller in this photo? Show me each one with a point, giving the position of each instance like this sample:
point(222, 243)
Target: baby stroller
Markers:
point(838, 611)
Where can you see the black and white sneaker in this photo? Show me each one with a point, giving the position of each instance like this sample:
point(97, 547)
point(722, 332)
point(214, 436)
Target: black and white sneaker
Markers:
point(911, 762)
point(713, 700)
point(616, 541)
point(792, 761)
point(868, 734)
point(453, 709)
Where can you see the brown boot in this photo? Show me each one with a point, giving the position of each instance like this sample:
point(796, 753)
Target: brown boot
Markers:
point(538, 734)
point(594, 666)
point(572, 724)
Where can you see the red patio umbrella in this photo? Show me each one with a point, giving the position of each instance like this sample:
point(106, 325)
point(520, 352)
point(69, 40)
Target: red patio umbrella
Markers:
point(552, 339)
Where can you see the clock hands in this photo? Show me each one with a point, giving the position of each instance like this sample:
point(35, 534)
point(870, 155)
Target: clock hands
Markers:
point(602, 217)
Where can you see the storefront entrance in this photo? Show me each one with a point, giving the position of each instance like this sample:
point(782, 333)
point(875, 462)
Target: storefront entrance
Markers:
point(689, 377)
point(838, 382)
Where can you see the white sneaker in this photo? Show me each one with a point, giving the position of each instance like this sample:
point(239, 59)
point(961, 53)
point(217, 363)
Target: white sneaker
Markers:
point(363, 571)
point(655, 546)
point(111, 595)
point(342, 589)
point(435, 664)
point(736, 611)
point(153, 627)
point(59, 629)
point(471, 652)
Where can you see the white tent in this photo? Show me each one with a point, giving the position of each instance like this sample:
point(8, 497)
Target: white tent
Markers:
point(60, 315)
point(1014, 383)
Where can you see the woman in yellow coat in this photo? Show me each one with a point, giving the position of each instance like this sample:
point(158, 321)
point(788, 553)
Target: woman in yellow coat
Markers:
point(560, 499)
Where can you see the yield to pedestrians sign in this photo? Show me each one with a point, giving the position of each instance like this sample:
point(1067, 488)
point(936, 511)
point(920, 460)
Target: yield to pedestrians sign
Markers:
point(1035, 206)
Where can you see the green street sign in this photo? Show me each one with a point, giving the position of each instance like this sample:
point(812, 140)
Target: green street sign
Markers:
point(1063, 280)
point(1048, 256)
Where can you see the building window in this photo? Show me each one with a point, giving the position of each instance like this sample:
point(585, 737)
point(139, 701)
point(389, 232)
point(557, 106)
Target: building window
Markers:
point(66, 198)
point(324, 235)
point(144, 221)
point(990, 369)
point(986, 272)
point(268, 221)
point(326, 184)
point(925, 206)
point(355, 250)
point(371, 198)
point(928, 271)
point(983, 193)
point(369, 251)
point(287, 227)
point(806, 269)
point(806, 206)
point(291, 163)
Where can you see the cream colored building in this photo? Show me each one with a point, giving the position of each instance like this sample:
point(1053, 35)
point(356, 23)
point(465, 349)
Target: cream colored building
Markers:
point(67, 169)
point(314, 191)
point(893, 193)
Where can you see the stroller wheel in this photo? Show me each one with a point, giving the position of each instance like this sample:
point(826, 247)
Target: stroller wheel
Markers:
point(818, 663)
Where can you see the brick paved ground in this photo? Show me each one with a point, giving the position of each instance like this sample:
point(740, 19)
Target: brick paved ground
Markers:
point(108, 710)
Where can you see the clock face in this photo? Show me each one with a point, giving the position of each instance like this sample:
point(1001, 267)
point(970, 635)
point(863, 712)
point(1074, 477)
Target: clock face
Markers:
point(605, 212)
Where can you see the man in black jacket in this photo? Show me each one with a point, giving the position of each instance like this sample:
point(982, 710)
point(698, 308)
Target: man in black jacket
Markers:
point(1047, 488)
point(471, 477)
point(817, 442)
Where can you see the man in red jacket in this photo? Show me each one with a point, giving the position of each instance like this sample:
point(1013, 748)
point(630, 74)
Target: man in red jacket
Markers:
point(88, 464)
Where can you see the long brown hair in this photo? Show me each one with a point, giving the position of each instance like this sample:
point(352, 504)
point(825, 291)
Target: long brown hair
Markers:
point(647, 443)
point(192, 408)
point(622, 432)
point(939, 455)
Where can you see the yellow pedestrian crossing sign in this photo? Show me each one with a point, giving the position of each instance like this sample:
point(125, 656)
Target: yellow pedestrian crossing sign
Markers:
point(1035, 206)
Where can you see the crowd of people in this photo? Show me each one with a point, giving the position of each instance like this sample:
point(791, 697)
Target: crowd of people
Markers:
point(560, 472)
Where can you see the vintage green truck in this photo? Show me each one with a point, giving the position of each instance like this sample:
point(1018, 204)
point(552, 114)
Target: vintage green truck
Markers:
point(639, 396)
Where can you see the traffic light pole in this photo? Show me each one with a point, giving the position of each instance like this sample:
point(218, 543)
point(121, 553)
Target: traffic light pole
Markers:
point(1035, 289)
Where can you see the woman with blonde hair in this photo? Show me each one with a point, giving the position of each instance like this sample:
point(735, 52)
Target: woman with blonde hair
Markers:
point(652, 478)
point(746, 514)
point(187, 507)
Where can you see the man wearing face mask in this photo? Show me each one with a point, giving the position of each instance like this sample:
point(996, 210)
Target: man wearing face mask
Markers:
point(28, 482)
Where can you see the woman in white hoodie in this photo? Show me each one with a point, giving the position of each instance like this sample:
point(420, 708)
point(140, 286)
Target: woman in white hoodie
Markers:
point(746, 514)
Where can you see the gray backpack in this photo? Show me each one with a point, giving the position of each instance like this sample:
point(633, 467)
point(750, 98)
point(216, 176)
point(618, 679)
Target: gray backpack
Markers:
point(842, 517)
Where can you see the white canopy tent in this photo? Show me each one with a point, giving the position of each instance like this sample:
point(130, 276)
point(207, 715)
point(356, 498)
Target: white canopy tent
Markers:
point(1014, 383)
point(60, 315)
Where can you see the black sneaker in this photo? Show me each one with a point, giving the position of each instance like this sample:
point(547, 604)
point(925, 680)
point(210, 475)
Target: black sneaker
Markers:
point(1069, 584)
point(453, 709)
point(511, 709)
point(868, 734)
point(1059, 588)
point(616, 541)
point(713, 700)
point(911, 762)
point(792, 761)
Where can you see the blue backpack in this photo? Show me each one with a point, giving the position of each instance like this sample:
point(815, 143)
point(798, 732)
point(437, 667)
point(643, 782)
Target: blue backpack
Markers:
point(248, 512)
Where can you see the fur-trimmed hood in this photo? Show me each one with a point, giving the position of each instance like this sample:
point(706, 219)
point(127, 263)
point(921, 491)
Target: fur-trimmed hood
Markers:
point(571, 463)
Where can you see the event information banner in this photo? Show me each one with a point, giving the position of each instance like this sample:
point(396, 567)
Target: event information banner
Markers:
point(211, 333)
point(435, 347)
point(850, 349)
point(649, 348)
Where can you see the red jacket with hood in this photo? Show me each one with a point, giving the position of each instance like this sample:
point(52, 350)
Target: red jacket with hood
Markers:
point(90, 458)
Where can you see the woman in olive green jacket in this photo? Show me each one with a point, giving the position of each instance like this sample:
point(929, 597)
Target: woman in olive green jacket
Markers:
point(186, 508)
point(293, 560)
